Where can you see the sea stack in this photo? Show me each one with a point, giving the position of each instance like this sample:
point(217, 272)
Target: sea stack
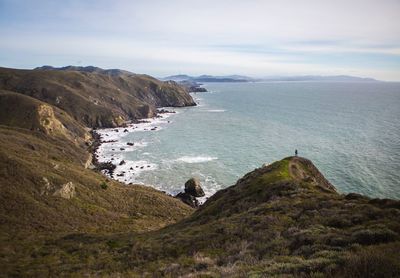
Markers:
point(192, 190)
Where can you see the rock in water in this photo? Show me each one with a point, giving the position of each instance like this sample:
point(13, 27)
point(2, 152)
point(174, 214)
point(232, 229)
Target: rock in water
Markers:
point(188, 199)
point(67, 191)
point(192, 187)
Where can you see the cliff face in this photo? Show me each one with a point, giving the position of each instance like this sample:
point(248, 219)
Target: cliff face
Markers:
point(97, 98)
point(18, 110)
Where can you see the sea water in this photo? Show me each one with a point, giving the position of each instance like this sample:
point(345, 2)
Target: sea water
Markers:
point(351, 131)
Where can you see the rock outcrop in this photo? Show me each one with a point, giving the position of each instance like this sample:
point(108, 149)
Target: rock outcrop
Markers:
point(192, 190)
point(188, 199)
point(193, 187)
point(47, 120)
point(26, 112)
point(67, 191)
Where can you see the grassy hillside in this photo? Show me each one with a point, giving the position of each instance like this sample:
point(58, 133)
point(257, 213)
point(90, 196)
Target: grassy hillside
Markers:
point(46, 187)
point(281, 220)
point(45, 190)
point(96, 99)
point(35, 167)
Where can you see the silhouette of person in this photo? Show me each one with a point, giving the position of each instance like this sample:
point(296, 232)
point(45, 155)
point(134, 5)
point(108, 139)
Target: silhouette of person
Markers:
point(295, 152)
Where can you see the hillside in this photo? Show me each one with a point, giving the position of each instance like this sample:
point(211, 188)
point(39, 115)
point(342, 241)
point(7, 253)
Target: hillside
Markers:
point(46, 188)
point(22, 111)
point(45, 150)
point(46, 193)
point(280, 220)
point(96, 98)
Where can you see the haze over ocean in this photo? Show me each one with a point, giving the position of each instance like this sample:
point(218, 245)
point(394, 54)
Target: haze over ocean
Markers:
point(351, 131)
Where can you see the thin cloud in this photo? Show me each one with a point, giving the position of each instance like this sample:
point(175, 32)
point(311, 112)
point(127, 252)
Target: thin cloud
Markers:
point(217, 37)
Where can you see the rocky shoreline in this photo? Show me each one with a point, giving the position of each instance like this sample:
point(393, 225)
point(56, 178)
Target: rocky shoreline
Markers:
point(108, 166)
point(99, 166)
point(192, 188)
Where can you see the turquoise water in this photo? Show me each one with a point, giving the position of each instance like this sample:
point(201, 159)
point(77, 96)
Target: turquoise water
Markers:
point(351, 131)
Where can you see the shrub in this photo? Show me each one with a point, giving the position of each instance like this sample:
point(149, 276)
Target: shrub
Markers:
point(104, 185)
point(374, 261)
point(376, 236)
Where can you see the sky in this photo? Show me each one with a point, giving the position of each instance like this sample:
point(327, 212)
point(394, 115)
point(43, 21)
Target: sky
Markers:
point(255, 38)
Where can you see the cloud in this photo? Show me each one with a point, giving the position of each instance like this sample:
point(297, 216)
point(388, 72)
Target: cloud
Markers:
point(250, 37)
point(388, 50)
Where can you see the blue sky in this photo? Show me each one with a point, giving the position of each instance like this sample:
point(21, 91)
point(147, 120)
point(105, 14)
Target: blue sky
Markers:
point(256, 38)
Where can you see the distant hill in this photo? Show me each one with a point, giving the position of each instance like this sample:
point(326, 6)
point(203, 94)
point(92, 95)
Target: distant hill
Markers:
point(242, 78)
point(333, 78)
point(210, 78)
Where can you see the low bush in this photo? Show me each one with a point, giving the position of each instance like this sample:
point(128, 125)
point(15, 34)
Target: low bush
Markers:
point(370, 236)
point(104, 185)
point(373, 261)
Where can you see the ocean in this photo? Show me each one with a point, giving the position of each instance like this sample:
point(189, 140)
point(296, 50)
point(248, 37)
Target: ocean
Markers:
point(351, 132)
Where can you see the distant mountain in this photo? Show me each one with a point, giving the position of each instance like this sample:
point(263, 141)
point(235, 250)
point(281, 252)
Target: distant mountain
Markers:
point(332, 78)
point(242, 78)
point(178, 77)
point(210, 78)
point(193, 83)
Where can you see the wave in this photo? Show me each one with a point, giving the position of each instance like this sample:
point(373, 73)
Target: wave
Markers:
point(196, 159)
point(216, 110)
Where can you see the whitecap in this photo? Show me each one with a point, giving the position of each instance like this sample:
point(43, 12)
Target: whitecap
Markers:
point(196, 159)
point(216, 110)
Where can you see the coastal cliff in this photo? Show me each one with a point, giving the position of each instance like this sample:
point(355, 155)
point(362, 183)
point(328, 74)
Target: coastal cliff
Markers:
point(60, 218)
point(95, 97)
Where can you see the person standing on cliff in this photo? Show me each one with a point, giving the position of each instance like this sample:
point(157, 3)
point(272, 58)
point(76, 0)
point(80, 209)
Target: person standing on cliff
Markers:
point(295, 152)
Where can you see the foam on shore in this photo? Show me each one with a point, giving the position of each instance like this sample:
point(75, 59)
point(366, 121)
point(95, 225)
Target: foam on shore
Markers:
point(113, 150)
